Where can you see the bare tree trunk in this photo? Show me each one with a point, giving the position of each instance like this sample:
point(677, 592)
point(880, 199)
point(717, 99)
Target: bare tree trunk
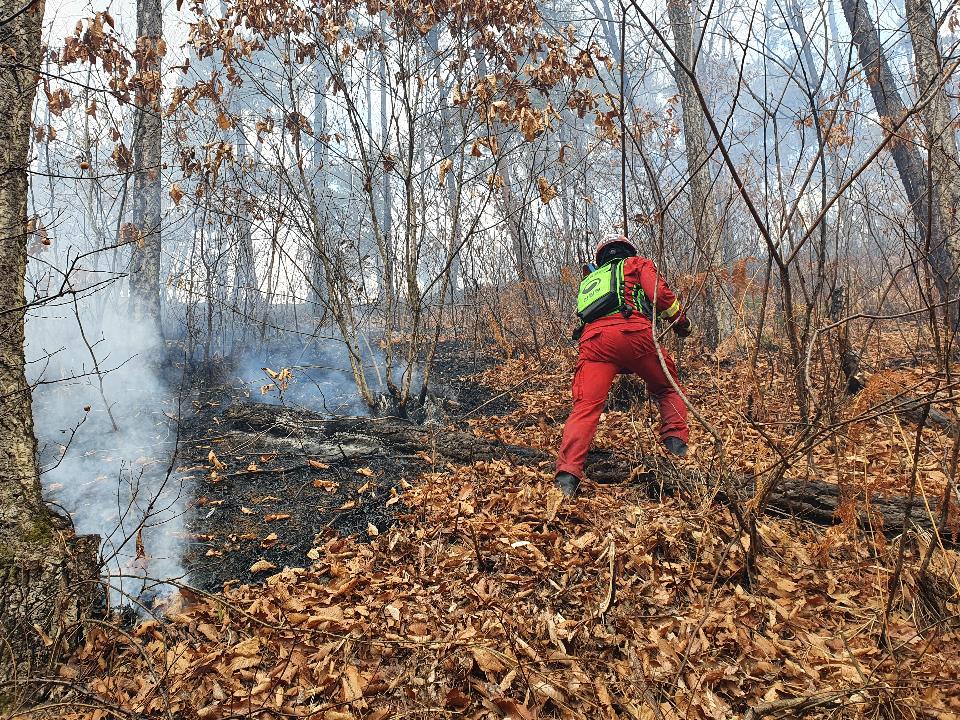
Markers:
point(514, 214)
point(702, 204)
point(320, 186)
point(385, 122)
point(909, 163)
point(941, 136)
point(145, 254)
point(391, 309)
point(246, 289)
point(248, 286)
point(448, 116)
point(812, 84)
point(48, 576)
point(338, 284)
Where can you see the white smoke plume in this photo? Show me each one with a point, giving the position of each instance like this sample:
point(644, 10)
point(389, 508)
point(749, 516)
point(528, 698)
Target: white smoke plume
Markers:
point(106, 427)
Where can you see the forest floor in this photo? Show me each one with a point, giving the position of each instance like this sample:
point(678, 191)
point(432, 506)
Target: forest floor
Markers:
point(267, 479)
point(485, 593)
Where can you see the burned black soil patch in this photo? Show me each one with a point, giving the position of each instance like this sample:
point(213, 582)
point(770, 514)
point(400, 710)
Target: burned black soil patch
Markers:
point(320, 381)
point(454, 372)
point(476, 399)
point(285, 470)
point(272, 486)
point(269, 479)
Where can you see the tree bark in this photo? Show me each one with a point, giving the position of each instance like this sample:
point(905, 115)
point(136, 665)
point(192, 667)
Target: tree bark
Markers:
point(910, 165)
point(144, 278)
point(702, 204)
point(937, 117)
point(48, 576)
point(319, 185)
point(448, 118)
point(247, 295)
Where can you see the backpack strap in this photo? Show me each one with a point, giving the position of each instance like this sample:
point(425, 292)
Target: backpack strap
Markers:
point(625, 308)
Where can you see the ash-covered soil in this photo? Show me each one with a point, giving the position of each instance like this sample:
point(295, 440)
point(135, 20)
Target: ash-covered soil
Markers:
point(270, 478)
point(454, 371)
point(272, 486)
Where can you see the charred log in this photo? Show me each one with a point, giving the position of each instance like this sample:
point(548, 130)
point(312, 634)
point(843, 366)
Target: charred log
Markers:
point(850, 367)
point(849, 358)
point(912, 409)
point(324, 437)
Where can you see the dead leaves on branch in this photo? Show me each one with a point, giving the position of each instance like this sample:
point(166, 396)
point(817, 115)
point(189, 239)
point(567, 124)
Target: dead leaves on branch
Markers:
point(280, 380)
point(445, 166)
point(513, 95)
point(503, 32)
point(176, 193)
point(547, 191)
point(122, 157)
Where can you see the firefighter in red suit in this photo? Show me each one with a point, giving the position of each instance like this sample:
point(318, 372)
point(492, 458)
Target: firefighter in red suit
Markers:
point(622, 342)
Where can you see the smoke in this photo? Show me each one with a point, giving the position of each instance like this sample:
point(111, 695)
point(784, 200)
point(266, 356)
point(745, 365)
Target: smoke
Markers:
point(107, 432)
point(107, 422)
point(320, 377)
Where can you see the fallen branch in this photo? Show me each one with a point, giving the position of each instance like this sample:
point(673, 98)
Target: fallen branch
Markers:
point(812, 501)
point(612, 585)
point(797, 705)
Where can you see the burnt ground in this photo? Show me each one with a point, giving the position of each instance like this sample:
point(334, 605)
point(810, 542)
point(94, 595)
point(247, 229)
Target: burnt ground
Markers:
point(283, 474)
point(281, 485)
point(454, 369)
point(268, 479)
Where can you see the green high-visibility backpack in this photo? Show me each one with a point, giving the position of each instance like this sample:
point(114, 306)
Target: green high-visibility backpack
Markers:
point(601, 292)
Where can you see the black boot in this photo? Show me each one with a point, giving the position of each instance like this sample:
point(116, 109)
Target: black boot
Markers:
point(675, 446)
point(567, 483)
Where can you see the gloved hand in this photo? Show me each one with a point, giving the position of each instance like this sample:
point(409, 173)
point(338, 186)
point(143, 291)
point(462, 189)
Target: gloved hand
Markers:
point(683, 327)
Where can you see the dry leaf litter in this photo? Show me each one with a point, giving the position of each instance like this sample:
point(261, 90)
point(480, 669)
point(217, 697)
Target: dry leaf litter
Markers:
point(494, 597)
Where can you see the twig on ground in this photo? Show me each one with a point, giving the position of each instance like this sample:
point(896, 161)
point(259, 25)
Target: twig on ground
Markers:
point(795, 705)
point(612, 586)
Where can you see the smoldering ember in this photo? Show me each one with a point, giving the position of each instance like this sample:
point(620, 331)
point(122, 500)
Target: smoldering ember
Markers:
point(394, 359)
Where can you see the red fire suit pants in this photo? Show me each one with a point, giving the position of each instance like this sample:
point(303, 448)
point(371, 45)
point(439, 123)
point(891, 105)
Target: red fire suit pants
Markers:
point(604, 353)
